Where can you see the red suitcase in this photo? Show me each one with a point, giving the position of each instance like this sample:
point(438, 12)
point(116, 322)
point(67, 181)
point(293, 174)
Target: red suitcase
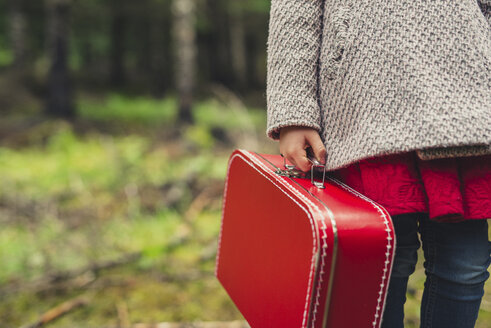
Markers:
point(291, 254)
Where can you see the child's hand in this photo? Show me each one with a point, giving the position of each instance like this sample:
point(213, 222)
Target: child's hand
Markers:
point(293, 142)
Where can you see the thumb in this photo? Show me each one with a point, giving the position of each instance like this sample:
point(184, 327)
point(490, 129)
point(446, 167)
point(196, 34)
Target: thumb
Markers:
point(317, 146)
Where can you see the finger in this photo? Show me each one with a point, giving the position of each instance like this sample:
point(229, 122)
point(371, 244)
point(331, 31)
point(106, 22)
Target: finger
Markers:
point(301, 161)
point(317, 146)
point(291, 159)
point(288, 154)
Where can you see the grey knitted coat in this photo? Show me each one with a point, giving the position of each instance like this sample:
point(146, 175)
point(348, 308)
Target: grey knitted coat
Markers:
point(376, 77)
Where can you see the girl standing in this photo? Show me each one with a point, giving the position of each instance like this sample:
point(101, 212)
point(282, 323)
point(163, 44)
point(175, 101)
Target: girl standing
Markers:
point(397, 93)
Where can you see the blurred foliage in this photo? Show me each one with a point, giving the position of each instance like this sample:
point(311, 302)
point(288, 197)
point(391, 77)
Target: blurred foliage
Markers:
point(6, 57)
point(129, 110)
point(75, 195)
point(133, 40)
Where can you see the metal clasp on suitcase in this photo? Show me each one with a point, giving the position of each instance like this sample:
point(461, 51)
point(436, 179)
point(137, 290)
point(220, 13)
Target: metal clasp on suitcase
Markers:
point(292, 172)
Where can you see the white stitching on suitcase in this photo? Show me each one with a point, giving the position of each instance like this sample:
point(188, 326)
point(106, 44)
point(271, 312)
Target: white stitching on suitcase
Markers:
point(321, 273)
point(313, 233)
point(323, 254)
point(291, 189)
point(378, 316)
point(223, 211)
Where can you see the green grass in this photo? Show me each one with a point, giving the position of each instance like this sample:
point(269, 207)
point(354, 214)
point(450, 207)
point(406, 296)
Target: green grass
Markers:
point(128, 110)
point(69, 166)
point(137, 285)
point(28, 253)
point(69, 200)
point(212, 113)
point(151, 112)
point(6, 57)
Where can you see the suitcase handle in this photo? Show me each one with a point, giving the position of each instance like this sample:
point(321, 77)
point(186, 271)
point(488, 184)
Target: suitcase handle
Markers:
point(292, 172)
point(316, 163)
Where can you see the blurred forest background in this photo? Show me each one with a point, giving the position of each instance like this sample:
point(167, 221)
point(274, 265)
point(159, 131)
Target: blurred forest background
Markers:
point(117, 120)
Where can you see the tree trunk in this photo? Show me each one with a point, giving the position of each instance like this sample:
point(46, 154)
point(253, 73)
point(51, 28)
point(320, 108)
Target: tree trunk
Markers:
point(185, 45)
point(219, 43)
point(87, 51)
point(59, 102)
point(118, 34)
point(238, 49)
point(17, 31)
point(158, 58)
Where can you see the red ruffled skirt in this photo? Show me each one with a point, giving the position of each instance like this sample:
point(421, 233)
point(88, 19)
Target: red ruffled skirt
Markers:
point(449, 190)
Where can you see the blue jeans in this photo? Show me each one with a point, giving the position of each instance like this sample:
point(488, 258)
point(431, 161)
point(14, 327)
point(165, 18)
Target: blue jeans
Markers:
point(457, 256)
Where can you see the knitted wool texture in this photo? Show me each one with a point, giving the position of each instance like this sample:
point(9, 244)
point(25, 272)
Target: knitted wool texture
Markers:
point(376, 77)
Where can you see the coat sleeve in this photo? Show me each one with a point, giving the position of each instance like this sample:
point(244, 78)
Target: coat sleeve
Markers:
point(293, 46)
